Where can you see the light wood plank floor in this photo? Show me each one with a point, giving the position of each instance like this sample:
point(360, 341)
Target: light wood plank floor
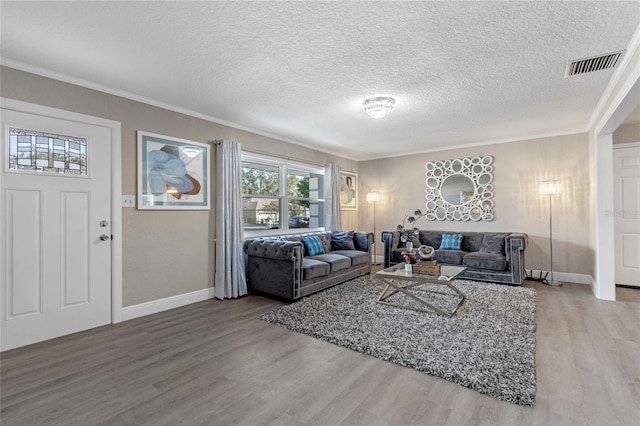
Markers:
point(214, 363)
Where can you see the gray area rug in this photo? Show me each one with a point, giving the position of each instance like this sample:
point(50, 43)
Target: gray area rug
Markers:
point(488, 345)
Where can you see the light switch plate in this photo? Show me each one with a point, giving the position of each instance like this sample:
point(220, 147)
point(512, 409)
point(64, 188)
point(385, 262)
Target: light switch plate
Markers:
point(128, 201)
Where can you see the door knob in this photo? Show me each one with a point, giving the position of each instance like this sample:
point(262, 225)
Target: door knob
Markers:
point(104, 237)
point(104, 223)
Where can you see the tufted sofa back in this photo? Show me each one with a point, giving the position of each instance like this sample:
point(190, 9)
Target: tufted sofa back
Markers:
point(325, 239)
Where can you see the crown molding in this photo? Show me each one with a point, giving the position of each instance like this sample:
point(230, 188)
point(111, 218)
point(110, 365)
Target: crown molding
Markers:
point(479, 143)
point(21, 66)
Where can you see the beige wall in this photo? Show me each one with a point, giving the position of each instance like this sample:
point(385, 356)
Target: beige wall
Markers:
point(627, 133)
point(165, 253)
point(518, 169)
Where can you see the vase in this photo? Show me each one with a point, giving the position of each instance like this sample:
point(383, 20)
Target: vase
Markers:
point(408, 267)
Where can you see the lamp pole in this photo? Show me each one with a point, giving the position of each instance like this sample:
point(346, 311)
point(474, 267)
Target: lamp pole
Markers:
point(550, 188)
point(375, 256)
point(372, 197)
point(553, 282)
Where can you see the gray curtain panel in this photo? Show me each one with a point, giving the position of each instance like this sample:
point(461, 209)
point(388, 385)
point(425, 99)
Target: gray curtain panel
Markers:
point(332, 217)
point(230, 276)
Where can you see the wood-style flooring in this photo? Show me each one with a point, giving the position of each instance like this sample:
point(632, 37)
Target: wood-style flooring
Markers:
point(215, 363)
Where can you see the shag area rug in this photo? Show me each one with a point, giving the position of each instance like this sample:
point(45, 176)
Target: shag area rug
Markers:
point(488, 345)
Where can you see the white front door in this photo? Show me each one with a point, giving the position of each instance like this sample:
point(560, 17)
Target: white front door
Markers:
point(56, 227)
point(626, 174)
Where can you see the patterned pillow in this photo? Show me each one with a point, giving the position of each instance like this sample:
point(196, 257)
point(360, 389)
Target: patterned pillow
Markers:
point(313, 245)
point(451, 241)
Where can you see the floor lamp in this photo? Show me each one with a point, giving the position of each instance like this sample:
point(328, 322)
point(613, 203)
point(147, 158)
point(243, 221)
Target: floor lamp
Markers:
point(550, 188)
point(374, 197)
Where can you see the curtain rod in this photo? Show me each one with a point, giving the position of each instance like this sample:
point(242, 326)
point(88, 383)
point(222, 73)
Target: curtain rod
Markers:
point(269, 154)
point(255, 151)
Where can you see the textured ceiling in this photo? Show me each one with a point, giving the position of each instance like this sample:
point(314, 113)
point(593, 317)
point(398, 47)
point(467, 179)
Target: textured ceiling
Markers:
point(462, 72)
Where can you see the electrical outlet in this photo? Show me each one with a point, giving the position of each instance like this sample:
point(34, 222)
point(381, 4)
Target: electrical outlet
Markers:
point(128, 201)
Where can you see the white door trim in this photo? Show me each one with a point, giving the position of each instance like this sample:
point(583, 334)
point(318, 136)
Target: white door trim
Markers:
point(626, 145)
point(116, 185)
point(623, 224)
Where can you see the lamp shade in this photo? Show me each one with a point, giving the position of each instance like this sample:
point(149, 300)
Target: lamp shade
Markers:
point(550, 187)
point(373, 197)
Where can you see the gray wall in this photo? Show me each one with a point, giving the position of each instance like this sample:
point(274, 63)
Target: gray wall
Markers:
point(627, 133)
point(165, 253)
point(518, 169)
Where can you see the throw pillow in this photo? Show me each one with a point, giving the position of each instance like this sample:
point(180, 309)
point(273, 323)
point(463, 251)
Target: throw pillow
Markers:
point(313, 245)
point(361, 241)
point(493, 243)
point(451, 241)
point(430, 238)
point(342, 240)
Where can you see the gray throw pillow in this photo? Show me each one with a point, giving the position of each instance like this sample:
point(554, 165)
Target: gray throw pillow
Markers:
point(342, 240)
point(493, 243)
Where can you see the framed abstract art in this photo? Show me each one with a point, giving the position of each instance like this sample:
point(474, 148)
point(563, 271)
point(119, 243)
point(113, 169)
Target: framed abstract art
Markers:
point(348, 191)
point(173, 174)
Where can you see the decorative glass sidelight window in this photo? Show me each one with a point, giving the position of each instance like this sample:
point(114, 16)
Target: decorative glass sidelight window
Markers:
point(34, 151)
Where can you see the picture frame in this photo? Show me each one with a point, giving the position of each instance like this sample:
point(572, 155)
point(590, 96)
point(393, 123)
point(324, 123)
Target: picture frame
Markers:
point(348, 190)
point(173, 173)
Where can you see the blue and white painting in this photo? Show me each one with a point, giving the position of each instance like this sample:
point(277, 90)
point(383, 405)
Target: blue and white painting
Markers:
point(172, 173)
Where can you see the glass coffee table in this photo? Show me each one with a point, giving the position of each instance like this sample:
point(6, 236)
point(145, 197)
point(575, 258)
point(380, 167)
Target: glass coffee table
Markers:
point(397, 280)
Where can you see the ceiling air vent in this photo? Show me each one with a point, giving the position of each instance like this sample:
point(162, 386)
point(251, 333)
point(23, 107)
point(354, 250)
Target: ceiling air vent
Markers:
point(594, 63)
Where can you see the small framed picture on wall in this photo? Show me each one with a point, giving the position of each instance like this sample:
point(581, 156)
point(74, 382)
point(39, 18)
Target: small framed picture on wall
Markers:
point(348, 191)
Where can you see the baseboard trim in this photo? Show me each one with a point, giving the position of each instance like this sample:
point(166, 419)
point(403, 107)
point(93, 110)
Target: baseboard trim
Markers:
point(160, 305)
point(565, 277)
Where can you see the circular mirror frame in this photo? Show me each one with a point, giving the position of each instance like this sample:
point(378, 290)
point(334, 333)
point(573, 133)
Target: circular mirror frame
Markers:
point(478, 208)
point(463, 187)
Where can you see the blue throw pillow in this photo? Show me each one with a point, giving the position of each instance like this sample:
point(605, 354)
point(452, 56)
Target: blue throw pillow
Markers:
point(451, 241)
point(361, 241)
point(313, 245)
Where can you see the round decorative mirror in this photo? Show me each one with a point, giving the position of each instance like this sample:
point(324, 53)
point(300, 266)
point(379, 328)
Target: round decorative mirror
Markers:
point(440, 213)
point(460, 189)
point(485, 178)
point(432, 183)
point(475, 213)
point(457, 189)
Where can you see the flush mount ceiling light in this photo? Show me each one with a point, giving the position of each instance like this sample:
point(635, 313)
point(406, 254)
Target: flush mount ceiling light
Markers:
point(378, 107)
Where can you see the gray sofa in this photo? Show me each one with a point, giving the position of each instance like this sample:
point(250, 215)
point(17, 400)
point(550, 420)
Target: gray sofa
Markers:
point(488, 256)
point(282, 267)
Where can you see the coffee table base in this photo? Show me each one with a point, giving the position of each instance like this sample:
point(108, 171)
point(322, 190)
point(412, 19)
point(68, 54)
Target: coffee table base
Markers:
point(394, 288)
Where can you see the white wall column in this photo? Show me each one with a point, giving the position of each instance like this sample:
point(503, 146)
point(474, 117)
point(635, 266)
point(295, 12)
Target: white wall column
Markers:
point(604, 286)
